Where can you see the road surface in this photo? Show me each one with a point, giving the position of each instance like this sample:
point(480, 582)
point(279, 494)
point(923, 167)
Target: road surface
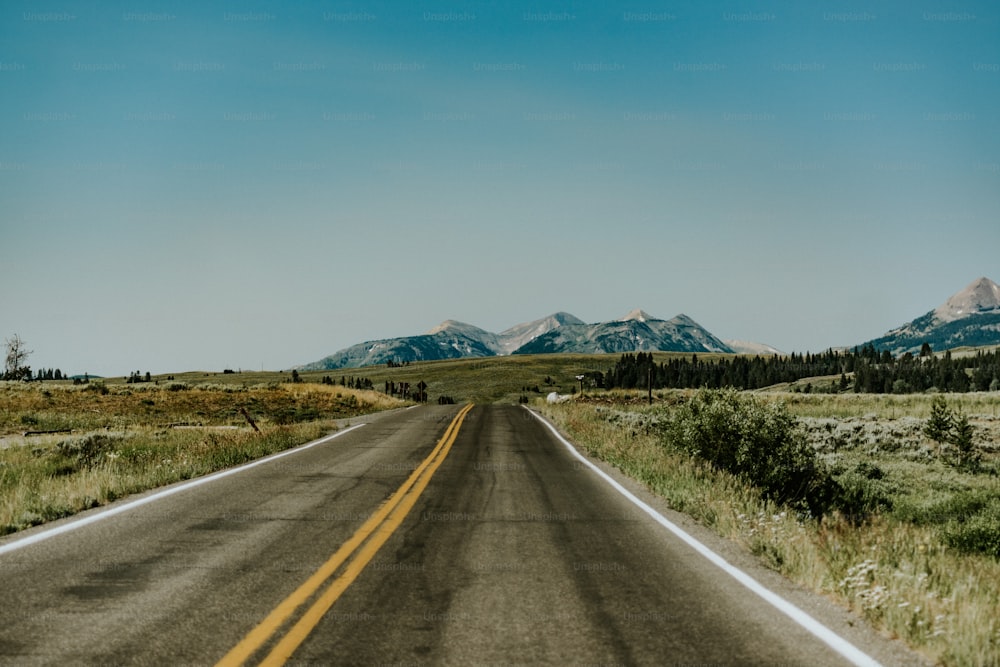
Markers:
point(434, 535)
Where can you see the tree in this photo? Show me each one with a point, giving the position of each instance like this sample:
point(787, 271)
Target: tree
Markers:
point(925, 350)
point(939, 425)
point(962, 436)
point(15, 367)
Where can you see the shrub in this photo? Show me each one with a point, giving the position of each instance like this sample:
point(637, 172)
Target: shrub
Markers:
point(863, 491)
point(979, 534)
point(753, 439)
point(88, 450)
point(98, 387)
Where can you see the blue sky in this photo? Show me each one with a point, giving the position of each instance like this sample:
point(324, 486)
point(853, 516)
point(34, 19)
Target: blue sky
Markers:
point(242, 185)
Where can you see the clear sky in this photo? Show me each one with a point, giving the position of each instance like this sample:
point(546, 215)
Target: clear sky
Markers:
point(199, 186)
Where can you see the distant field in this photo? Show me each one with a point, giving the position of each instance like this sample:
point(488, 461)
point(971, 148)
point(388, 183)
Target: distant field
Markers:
point(507, 379)
point(487, 379)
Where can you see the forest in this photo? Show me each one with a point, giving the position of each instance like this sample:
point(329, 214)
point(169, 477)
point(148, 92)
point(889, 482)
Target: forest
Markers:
point(862, 370)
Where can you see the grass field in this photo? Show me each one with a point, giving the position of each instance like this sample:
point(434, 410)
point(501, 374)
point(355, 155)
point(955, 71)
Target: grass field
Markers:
point(491, 379)
point(112, 440)
point(501, 379)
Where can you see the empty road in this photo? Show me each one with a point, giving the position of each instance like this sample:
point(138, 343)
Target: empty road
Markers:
point(436, 535)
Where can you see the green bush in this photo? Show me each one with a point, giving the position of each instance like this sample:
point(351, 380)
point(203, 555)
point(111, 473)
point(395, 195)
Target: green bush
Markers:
point(863, 491)
point(753, 439)
point(958, 507)
point(979, 534)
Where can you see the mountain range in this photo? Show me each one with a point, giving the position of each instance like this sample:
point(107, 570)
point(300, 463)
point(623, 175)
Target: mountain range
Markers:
point(560, 332)
point(970, 317)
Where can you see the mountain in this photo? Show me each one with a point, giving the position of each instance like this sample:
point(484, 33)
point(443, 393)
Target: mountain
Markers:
point(560, 332)
point(449, 340)
point(970, 317)
point(521, 334)
point(981, 297)
point(637, 331)
point(749, 347)
point(448, 343)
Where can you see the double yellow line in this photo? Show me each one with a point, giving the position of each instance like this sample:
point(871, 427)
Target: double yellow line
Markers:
point(360, 549)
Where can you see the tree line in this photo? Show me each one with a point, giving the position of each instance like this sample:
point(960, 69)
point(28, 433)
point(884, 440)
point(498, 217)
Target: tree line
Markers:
point(863, 370)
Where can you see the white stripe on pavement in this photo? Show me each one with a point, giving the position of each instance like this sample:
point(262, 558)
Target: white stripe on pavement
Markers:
point(817, 629)
point(126, 506)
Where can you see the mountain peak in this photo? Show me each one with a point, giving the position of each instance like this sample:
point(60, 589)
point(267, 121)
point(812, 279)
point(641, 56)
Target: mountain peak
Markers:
point(980, 296)
point(969, 318)
point(520, 334)
point(453, 326)
point(638, 315)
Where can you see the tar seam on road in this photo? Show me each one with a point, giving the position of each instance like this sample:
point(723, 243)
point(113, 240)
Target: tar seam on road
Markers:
point(360, 548)
point(125, 507)
point(814, 627)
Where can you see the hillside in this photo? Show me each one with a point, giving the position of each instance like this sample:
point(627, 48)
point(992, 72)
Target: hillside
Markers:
point(970, 317)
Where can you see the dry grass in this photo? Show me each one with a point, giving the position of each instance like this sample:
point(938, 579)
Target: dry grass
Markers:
point(130, 438)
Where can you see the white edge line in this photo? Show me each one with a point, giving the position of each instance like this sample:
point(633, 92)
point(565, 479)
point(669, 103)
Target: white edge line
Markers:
point(820, 631)
point(125, 507)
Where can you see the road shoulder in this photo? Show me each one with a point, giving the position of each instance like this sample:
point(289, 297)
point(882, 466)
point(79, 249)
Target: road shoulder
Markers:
point(843, 622)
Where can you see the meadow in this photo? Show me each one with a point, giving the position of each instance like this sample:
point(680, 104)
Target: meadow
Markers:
point(66, 448)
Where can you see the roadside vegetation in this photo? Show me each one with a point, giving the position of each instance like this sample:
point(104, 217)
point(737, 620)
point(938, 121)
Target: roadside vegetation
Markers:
point(848, 495)
point(66, 448)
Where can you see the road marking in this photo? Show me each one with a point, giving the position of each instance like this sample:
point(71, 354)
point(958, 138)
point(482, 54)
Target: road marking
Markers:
point(846, 649)
point(159, 495)
point(362, 546)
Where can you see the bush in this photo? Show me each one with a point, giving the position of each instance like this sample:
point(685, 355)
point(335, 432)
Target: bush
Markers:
point(758, 441)
point(88, 450)
point(979, 534)
point(863, 491)
point(98, 387)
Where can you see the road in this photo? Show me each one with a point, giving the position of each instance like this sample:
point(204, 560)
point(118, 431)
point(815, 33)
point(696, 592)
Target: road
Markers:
point(427, 536)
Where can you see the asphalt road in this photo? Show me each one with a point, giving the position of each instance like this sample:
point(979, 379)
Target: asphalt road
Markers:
point(463, 539)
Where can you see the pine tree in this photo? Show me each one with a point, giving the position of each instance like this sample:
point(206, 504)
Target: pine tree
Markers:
point(939, 426)
point(962, 437)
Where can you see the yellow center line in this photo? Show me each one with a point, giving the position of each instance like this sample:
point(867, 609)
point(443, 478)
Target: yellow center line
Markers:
point(376, 530)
